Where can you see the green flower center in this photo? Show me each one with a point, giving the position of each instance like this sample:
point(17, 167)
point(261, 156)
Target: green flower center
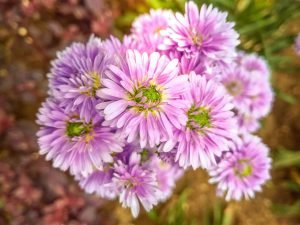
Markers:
point(75, 129)
point(198, 118)
point(243, 168)
point(151, 94)
point(144, 155)
point(146, 98)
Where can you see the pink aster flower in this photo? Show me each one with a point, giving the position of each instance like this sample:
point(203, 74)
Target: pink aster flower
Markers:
point(241, 87)
point(142, 97)
point(204, 66)
point(118, 49)
point(255, 65)
point(100, 183)
point(167, 173)
point(148, 28)
point(210, 127)
point(247, 123)
point(241, 173)
point(136, 183)
point(205, 31)
point(76, 75)
point(251, 94)
point(131, 42)
point(137, 176)
point(114, 46)
point(262, 102)
point(73, 142)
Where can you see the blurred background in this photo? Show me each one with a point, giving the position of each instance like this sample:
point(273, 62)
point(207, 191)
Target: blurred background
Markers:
point(34, 193)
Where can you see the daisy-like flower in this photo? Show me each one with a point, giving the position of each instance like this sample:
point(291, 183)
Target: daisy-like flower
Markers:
point(241, 87)
point(261, 103)
point(74, 142)
point(148, 28)
point(206, 67)
point(210, 127)
point(131, 42)
point(136, 183)
point(77, 73)
point(252, 95)
point(115, 48)
point(118, 49)
point(100, 183)
point(142, 97)
point(205, 31)
point(241, 173)
point(167, 174)
point(247, 123)
point(253, 64)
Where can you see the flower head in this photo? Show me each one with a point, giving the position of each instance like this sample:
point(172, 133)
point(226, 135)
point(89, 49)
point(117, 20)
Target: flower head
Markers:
point(115, 48)
point(250, 89)
point(241, 87)
point(247, 123)
point(198, 64)
point(149, 27)
point(254, 65)
point(262, 102)
point(142, 97)
point(137, 184)
point(74, 142)
point(77, 74)
point(167, 173)
point(205, 31)
point(241, 173)
point(210, 127)
point(99, 182)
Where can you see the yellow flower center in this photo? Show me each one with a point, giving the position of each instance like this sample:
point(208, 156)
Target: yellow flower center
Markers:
point(197, 39)
point(96, 84)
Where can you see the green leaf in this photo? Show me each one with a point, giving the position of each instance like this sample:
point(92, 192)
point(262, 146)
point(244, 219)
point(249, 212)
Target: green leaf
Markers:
point(176, 214)
point(287, 210)
point(228, 216)
point(225, 4)
point(257, 25)
point(292, 186)
point(242, 5)
point(286, 158)
point(286, 97)
point(218, 211)
point(153, 215)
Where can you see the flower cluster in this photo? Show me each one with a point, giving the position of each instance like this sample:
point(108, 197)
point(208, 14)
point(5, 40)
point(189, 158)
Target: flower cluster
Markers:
point(126, 118)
